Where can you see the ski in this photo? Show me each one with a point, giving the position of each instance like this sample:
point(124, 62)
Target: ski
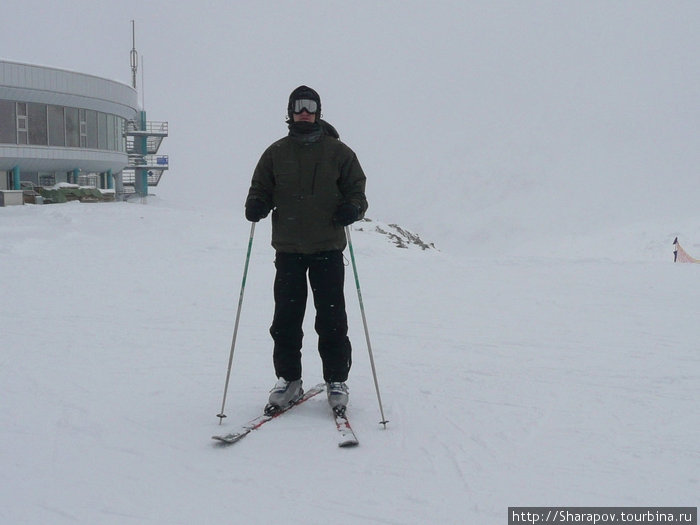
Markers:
point(254, 424)
point(346, 435)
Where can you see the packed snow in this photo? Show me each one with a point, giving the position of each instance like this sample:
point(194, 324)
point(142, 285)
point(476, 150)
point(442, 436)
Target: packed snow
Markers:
point(506, 381)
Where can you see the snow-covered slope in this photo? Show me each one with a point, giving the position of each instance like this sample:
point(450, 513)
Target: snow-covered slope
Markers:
point(507, 380)
point(544, 353)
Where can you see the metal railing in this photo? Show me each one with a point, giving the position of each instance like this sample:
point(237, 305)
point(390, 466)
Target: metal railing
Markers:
point(149, 161)
point(154, 132)
point(153, 176)
point(151, 128)
point(152, 144)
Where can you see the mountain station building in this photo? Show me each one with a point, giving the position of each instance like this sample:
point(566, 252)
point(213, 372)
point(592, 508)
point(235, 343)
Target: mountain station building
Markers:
point(59, 126)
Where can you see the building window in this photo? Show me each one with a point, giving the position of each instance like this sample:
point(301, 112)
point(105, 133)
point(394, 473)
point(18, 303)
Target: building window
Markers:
point(47, 179)
point(111, 134)
point(29, 123)
point(101, 131)
point(8, 122)
point(72, 128)
point(38, 132)
point(22, 127)
point(122, 138)
point(57, 127)
point(83, 129)
point(92, 128)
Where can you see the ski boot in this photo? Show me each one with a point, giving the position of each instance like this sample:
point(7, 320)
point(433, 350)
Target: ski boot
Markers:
point(283, 394)
point(337, 397)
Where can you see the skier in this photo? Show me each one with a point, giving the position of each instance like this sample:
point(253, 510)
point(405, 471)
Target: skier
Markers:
point(315, 186)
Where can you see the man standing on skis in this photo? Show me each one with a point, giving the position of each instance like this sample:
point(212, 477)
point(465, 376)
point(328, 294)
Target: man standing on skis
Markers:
point(314, 185)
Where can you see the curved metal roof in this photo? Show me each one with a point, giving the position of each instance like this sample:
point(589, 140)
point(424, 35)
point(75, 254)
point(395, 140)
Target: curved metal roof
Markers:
point(48, 85)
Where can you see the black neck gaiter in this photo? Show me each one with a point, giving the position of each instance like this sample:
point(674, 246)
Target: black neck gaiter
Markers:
point(305, 131)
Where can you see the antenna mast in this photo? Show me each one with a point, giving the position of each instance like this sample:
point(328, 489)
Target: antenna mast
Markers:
point(134, 55)
point(143, 85)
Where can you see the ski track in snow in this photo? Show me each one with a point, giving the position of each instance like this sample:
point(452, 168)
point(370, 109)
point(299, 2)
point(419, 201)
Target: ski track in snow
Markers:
point(507, 381)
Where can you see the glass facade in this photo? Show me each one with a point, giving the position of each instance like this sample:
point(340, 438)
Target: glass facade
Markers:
point(8, 122)
point(72, 127)
point(38, 129)
point(48, 125)
point(57, 126)
point(22, 133)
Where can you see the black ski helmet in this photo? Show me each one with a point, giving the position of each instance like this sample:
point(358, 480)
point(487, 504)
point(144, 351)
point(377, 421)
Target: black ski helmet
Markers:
point(300, 93)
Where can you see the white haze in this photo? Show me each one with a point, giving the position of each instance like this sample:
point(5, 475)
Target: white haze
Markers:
point(587, 109)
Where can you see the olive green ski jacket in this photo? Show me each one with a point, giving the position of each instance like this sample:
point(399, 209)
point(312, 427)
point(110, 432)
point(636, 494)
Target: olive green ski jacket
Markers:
point(304, 182)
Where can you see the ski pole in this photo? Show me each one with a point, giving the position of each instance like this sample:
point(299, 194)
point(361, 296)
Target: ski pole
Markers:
point(221, 415)
point(364, 322)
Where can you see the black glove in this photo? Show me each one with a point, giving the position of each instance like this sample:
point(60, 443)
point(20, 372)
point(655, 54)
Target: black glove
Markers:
point(255, 209)
point(346, 214)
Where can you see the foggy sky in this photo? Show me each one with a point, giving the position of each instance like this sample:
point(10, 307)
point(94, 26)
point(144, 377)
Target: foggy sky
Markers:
point(452, 107)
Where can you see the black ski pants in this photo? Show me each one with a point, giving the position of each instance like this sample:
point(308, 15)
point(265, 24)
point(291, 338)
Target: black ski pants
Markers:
point(326, 274)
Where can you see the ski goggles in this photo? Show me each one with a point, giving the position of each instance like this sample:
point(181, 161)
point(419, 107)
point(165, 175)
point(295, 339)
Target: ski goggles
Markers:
point(305, 104)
